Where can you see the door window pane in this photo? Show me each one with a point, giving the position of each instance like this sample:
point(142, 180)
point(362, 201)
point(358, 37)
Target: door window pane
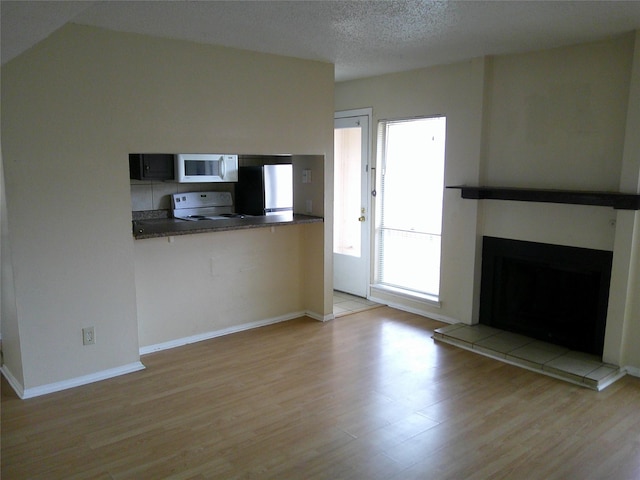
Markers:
point(347, 179)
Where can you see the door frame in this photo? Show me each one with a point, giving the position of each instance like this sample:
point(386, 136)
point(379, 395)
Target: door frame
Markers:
point(364, 112)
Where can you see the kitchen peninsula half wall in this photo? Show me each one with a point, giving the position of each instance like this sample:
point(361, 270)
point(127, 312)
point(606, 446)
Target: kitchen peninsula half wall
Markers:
point(201, 279)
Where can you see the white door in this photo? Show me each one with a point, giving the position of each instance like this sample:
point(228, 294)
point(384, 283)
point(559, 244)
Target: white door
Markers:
point(351, 227)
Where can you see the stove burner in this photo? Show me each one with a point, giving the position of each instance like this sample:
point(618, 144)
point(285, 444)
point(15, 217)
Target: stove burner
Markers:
point(197, 206)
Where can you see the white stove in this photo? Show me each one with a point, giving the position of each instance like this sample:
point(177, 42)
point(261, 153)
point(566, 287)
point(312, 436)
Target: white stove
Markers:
point(194, 206)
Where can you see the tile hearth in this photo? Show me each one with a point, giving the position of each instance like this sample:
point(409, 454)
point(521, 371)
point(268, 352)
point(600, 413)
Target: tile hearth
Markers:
point(553, 360)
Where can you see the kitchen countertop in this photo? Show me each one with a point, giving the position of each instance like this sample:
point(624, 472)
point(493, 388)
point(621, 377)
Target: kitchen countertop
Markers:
point(166, 227)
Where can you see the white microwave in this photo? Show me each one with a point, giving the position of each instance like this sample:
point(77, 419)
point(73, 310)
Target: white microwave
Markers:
point(206, 167)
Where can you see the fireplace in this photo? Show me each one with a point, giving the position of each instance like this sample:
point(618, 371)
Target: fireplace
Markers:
point(553, 293)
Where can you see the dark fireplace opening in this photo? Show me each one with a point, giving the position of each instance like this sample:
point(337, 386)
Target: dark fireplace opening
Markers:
point(553, 293)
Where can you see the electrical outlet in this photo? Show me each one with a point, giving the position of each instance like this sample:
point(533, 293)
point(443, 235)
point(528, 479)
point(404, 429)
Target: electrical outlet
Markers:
point(88, 336)
point(309, 205)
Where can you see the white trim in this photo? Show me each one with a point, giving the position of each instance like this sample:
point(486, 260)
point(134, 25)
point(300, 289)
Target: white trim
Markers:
point(426, 298)
point(411, 304)
point(422, 313)
point(15, 384)
point(321, 318)
point(179, 342)
point(633, 371)
point(358, 112)
point(70, 383)
point(368, 203)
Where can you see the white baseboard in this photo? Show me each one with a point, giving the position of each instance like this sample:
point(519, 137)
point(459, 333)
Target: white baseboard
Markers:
point(320, 317)
point(417, 311)
point(419, 305)
point(70, 383)
point(179, 342)
point(633, 371)
point(15, 384)
point(136, 366)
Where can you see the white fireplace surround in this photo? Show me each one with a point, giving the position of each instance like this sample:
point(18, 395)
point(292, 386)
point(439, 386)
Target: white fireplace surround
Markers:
point(626, 225)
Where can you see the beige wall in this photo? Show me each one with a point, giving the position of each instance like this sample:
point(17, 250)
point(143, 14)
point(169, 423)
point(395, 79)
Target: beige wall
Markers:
point(316, 262)
point(195, 284)
point(11, 351)
point(457, 92)
point(630, 183)
point(556, 119)
point(631, 332)
point(73, 108)
point(550, 119)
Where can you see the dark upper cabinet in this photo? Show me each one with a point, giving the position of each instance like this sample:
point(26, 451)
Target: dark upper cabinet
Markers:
point(151, 166)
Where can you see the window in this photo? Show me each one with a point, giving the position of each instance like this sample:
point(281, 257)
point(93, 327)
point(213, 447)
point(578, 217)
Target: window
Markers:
point(411, 190)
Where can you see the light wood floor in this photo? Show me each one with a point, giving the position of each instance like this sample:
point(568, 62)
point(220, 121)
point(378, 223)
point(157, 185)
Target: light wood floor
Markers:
point(367, 396)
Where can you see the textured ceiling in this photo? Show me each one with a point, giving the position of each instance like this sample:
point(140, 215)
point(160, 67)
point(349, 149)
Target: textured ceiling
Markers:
point(362, 38)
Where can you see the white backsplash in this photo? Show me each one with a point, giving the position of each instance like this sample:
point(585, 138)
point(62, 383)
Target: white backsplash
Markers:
point(156, 195)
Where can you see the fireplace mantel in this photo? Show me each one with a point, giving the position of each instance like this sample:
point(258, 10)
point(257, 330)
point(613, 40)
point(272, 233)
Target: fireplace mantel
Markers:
point(619, 201)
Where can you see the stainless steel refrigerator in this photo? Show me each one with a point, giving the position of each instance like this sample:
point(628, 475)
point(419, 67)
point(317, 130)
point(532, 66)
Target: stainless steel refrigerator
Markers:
point(265, 190)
